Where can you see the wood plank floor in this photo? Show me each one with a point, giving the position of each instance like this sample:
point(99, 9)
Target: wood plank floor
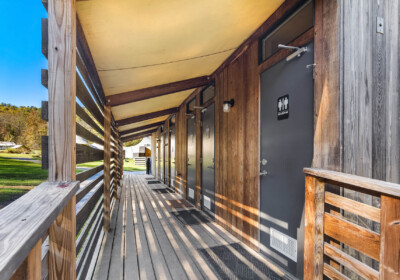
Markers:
point(156, 235)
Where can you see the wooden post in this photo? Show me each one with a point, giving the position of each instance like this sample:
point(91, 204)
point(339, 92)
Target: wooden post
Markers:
point(31, 268)
point(389, 264)
point(107, 154)
point(314, 229)
point(62, 155)
point(122, 156)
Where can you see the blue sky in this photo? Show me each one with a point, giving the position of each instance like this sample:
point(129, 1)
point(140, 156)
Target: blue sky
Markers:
point(21, 59)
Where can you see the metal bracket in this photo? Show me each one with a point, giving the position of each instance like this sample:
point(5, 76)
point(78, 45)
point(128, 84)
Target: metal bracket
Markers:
point(379, 25)
point(297, 53)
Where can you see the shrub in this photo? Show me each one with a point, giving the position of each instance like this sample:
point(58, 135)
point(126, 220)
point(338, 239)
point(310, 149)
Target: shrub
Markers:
point(20, 150)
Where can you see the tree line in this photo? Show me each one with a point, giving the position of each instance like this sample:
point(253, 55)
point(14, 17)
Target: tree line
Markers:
point(22, 125)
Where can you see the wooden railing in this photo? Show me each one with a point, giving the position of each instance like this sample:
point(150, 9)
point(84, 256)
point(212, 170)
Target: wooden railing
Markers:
point(328, 233)
point(25, 223)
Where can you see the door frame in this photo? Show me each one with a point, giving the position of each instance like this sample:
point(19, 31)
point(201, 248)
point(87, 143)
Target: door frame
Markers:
point(303, 39)
point(206, 105)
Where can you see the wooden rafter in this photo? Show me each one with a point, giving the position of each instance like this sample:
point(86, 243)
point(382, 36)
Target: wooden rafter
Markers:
point(138, 135)
point(140, 128)
point(146, 116)
point(156, 91)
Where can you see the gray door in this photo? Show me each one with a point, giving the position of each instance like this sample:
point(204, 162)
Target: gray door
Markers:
point(161, 158)
point(172, 149)
point(191, 159)
point(208, 172)
point(166, 159)
point(287, 106)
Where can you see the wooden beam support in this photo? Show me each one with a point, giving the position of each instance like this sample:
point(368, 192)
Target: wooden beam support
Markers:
point(156, 91)
point(140, 128)
point(62, 115)
point(314, 229)
point(138, 135)
point(148, 116)
point(31, 268)
point(107, 162)
point(389, 263)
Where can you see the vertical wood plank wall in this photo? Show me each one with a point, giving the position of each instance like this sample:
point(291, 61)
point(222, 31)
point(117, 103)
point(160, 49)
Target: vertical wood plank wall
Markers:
point(357, 109)
point(236, 148)
point(371, 85)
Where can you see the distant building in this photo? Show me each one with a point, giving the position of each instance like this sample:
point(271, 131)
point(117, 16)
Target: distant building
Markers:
point(6, 145)
point(140, 150)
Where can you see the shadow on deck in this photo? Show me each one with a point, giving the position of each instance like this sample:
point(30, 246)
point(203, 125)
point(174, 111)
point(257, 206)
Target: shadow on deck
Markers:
point(155, 234)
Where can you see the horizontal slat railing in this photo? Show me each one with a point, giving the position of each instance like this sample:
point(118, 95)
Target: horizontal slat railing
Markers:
point(333, 260)
point(24, 222)
point(89, 173)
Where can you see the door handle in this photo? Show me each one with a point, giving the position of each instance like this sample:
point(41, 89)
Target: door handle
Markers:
point(263, 173)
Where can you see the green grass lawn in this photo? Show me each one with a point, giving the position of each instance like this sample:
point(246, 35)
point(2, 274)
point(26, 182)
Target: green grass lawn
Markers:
point(129, 165)
point(27, 156)
point(21, 173)
point(7, 195)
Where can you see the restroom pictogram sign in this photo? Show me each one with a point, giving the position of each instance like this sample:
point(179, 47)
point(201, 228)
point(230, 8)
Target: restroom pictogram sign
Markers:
point(283, 107)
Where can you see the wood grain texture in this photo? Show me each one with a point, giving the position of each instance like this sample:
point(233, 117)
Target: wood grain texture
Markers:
point(390, 238)
point(26, 220)
point(156, 91)
point(148, 116)
point(62, 244)
point(80, 112)
point(353, 206)
point(327, 116)
point(356, 181)
point(62, 90)
point(314, 228)
point(333, 274)
point(84, 96)
point(350, 262)
point(84, 211)
point(89, 173)
point(31, 268)
point(84, 191)
point(87, 154)
point(357, 237)
point(107, 178)
point(86, 134)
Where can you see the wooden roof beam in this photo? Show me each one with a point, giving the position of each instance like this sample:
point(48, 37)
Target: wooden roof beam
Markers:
point(140, 128)
point(148, 116)
point(138, 135)
point(156, 91)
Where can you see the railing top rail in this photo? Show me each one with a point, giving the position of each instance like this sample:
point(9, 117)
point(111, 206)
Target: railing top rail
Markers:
point(24, 222)
point(356, 181)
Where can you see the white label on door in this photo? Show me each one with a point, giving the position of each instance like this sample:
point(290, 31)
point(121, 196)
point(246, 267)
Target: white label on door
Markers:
point(207, 202)
point(284, 244)
point(191, 193)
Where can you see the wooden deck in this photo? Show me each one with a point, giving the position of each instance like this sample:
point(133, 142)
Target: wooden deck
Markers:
point(155, 235)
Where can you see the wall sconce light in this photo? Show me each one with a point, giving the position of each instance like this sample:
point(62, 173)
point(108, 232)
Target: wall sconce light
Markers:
point(228, 105)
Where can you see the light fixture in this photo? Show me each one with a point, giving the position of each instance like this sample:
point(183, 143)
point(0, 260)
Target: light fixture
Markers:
point(228, 105)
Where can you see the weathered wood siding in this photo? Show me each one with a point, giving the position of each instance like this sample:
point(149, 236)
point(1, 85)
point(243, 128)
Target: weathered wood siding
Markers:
point(237, 147)
point(371, 85)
